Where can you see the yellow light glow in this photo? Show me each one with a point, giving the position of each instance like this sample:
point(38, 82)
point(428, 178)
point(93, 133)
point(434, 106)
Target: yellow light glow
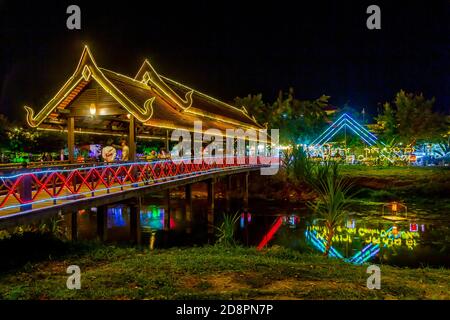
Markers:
point(92, 109)
point(143, 114)
point(394, 207)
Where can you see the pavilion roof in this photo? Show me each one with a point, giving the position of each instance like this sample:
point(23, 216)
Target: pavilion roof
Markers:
point(154, 100)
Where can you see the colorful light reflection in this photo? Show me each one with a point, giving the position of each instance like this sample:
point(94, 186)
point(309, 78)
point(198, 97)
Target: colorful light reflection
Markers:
point(153, 218)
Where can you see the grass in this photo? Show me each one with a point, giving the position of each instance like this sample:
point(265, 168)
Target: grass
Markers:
point(423, 187)
point(109, 272)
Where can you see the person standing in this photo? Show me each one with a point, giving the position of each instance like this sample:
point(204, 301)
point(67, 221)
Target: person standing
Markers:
point(125, 150)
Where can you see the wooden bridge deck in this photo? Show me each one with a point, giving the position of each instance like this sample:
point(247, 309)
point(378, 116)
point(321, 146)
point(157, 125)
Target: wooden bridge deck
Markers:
point(44, 206)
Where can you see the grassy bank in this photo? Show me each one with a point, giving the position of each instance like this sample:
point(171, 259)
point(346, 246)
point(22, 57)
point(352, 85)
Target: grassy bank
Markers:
point(422, 187)
point(215, 272)
point(426, 188)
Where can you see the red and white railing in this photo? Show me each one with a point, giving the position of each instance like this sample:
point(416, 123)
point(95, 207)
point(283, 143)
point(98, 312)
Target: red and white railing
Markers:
point(22, 189)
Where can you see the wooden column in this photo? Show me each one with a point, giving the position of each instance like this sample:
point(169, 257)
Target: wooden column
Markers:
point(135, 221)
point(132, 138)
point(167, 212)
point(188, 207)
point(245, 195)
point(71, 138)
point(167, 141)
point(102, 223)
point(74, 225)
point(211, 184)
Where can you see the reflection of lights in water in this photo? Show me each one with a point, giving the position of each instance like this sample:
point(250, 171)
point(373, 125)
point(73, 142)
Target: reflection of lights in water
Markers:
point(372, 240)
point(153, 218)
point(291, 220)
point(351, 224)
point(242, 221)
point(394, 230)
point(269, 235)
point(116, 217)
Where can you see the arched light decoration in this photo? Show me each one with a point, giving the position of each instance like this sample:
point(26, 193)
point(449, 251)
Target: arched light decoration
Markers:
point(92, 109)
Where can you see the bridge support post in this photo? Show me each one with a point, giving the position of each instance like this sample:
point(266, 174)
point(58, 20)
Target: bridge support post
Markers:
point(74, 225)
point(167, 212)
point(211, 184)
point(135, 222)
point(26, 192)
point(71, 138)
point(245, 195)
point(188, 207)
point(102, 223)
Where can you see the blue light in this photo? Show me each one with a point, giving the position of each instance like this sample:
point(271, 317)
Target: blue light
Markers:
point(345, 121)
point(154, 182)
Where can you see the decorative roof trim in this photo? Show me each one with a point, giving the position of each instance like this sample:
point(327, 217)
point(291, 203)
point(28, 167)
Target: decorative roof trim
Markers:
point(148, 75)
point(86, 70)
point(243, 110)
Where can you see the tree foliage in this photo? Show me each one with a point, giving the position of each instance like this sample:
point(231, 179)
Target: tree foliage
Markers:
point(14, 137)
point(299, 121)
point(410, 119)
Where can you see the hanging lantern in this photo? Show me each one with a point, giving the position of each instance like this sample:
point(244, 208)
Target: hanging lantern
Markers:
point(92, 109)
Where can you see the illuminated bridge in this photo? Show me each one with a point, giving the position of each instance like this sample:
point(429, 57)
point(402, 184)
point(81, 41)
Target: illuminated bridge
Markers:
point(28, 196)
point(104, 104)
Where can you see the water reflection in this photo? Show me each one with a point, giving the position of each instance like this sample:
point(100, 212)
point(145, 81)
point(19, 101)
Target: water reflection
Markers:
point(361, 238)
point(152, 218)
point(117, 217)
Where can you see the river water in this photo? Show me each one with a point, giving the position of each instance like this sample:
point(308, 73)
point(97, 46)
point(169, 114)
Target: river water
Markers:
point(364, 237)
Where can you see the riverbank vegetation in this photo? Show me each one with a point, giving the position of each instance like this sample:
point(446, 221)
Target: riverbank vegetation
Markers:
point(109, 272)
point(425, 188)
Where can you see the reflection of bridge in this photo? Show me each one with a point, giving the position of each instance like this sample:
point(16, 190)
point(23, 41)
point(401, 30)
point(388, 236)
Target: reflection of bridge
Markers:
point(28, 196)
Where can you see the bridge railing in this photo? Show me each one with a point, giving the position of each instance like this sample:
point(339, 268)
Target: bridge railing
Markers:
point(25, 188)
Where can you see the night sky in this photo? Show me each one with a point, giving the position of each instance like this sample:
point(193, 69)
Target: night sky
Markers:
point(228, 49)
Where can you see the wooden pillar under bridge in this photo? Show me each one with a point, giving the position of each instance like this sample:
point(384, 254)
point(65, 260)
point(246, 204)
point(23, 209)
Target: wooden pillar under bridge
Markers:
point(71, 138)
point(74, 225)
point(210, 210)
point(135, 221)
point(245, 191)
point(167, 211)
point(132, 138)
point(102, 223)
point(188, 207)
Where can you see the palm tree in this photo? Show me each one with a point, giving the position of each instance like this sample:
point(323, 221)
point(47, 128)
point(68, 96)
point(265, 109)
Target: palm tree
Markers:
point(333, 195)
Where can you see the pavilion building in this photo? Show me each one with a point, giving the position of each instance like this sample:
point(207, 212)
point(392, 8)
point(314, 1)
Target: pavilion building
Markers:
point(95, 100)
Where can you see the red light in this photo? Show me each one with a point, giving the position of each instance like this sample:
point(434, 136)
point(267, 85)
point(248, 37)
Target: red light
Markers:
point(271, 233)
